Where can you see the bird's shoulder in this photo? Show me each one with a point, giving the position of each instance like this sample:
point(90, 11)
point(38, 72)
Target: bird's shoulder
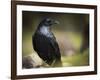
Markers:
point(40, 36)
point(46, 35)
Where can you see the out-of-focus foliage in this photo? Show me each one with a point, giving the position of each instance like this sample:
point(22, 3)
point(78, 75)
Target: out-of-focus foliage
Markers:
point(76, 60)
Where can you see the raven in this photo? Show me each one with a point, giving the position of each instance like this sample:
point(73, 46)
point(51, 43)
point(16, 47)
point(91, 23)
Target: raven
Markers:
point(45, 44)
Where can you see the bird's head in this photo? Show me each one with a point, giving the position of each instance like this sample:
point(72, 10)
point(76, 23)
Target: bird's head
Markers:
point(49, 22)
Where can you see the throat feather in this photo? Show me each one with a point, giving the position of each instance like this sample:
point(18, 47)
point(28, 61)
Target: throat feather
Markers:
point(46, 31)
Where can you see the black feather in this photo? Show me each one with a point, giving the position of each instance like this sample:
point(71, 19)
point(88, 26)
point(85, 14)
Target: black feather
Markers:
point(45, 44)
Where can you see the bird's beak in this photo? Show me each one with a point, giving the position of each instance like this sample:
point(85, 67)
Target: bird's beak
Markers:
point(56, 22)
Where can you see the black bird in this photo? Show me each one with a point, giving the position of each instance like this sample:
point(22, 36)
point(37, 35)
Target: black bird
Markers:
point(45, 44)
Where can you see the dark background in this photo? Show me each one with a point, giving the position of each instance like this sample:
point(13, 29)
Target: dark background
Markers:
point(68, 21)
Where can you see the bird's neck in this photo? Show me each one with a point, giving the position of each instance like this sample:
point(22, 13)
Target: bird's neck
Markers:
point(45, 30)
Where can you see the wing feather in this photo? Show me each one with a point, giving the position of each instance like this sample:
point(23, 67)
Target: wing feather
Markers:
point(46, 47)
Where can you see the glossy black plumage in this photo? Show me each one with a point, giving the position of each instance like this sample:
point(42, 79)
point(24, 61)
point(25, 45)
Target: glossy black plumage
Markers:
point(45, 44)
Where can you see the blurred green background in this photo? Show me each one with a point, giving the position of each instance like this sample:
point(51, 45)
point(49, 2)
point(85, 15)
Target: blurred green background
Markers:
point(68, 34)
